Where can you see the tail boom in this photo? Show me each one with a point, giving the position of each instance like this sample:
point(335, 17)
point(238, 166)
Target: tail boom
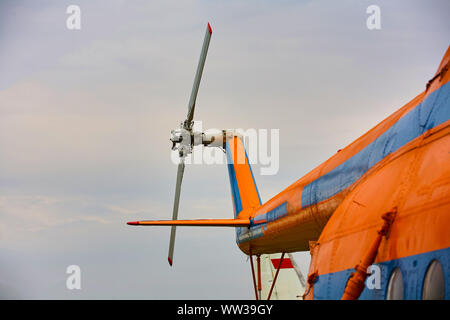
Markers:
point(194, 223)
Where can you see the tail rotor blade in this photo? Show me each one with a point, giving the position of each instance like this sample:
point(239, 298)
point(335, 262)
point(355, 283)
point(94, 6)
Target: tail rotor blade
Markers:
point(198, 75)
point(183, 140)
point(176, 203)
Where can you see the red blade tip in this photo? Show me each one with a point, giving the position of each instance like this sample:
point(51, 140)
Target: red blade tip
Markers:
point(133, 223)
point(209, 28)
point(170, 261)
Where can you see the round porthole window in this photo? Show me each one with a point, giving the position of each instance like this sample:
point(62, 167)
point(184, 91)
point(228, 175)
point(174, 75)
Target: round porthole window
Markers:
point(433, 285)
point(395, 286)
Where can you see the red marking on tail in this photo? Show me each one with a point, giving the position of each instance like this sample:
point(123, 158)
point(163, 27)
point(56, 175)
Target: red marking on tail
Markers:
point(210, 29)
point(285, 263)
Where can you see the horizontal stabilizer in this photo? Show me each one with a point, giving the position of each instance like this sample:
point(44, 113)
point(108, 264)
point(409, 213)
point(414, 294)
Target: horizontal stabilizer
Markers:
point(194, 223)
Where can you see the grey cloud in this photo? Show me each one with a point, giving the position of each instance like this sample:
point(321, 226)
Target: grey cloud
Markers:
point(85, 122)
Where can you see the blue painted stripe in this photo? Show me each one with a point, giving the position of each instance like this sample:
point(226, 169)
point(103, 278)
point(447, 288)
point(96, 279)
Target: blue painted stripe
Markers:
point(433, 111)
point(259, 223)
point(242, 232)
point(413, 268)
point(272, 215)
point(247, 234)
point(237, 204)
point(253, 177)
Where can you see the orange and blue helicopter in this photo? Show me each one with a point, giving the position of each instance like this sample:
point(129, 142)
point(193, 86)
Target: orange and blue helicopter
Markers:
point(384, 201)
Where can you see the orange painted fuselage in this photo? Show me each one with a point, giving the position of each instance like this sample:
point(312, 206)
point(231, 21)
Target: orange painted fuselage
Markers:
point(335, 210)
point(402, 165)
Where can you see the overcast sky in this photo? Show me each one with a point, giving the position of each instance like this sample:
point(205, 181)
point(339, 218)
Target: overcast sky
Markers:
point(85, 118)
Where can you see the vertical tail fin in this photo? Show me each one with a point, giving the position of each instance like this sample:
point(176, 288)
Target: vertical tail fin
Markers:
point(289, 285)
point(243, 187)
